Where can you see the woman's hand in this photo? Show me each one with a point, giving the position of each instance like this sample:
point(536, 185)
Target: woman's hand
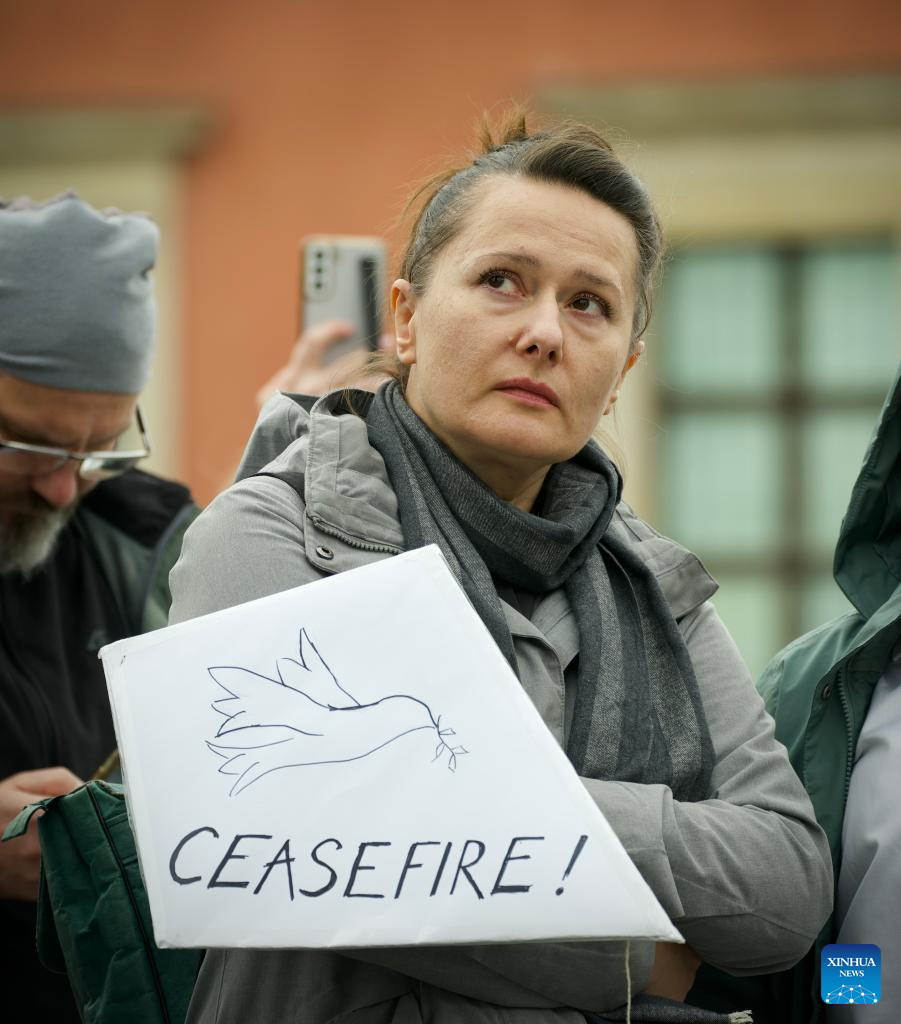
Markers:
point(674, 970)
point(308, 373)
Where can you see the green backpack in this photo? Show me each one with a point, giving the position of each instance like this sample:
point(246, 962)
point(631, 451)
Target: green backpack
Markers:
point(93, 919)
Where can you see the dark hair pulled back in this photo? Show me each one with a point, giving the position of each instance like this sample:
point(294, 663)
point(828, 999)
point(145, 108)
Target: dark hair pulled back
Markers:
point(564, 153)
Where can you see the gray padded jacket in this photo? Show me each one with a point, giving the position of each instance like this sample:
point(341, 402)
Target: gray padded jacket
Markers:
point(745, 875)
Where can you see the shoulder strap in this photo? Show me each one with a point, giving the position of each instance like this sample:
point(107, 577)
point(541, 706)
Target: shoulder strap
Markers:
point(19, 823)
point(292, 477)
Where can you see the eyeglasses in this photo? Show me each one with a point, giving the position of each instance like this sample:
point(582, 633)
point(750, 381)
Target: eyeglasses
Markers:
point(39, 460)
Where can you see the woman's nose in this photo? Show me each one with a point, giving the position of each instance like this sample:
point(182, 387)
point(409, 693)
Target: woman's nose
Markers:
point(542, 332)
point(59, 488)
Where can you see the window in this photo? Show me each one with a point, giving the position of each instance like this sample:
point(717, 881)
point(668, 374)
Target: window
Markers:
point(775, 361)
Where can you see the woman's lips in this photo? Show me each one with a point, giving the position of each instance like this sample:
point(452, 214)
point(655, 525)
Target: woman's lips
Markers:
point(532, 392)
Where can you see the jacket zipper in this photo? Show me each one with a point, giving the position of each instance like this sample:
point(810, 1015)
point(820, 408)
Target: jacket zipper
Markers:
point(849, 735)
point(353, 542)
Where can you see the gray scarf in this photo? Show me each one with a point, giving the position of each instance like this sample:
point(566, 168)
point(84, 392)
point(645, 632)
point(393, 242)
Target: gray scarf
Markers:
point(638, 715)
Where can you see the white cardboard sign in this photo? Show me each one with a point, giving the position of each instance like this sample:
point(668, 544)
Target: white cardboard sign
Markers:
point(354, 763)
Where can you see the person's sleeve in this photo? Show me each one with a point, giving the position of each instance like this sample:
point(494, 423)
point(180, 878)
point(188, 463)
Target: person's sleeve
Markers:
point(746, 875)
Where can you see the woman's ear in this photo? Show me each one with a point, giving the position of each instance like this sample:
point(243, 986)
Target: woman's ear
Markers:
point(633, 358)
point(403, 306)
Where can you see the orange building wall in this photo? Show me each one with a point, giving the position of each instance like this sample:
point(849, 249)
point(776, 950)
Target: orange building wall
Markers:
point(326, 112)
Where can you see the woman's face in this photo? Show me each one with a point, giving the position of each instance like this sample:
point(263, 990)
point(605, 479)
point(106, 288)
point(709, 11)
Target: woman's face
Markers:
point(521, 339)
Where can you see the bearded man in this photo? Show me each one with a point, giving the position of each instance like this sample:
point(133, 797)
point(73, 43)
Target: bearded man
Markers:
point(86, 540)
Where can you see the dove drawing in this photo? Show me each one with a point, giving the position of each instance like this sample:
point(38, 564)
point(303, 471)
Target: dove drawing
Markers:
point(302, 716)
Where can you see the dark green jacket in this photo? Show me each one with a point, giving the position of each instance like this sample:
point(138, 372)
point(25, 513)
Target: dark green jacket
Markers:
point(818, 689)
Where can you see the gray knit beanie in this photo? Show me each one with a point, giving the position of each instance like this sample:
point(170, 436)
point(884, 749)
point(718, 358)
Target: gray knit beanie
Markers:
point(76, 298)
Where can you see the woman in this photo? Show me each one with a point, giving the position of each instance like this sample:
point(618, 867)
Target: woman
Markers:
point(524, 292)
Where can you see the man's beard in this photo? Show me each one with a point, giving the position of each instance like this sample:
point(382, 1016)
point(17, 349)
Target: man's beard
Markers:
point(27, 539)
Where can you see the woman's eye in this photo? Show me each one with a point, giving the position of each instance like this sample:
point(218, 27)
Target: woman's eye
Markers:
point(498, 280)
point(591, 304)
